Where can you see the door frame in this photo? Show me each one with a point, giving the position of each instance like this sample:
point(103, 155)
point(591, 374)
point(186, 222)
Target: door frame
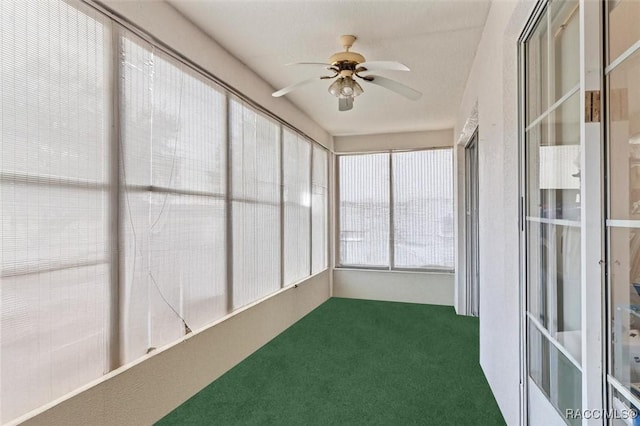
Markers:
point(471, 209)
point(593, 319)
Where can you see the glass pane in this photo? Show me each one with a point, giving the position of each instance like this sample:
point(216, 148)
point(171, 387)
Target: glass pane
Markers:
point(55, 201)
point(186, 262)
point(364, 210)
point(624, 30)
point(624, 412)
point(624, 140)
point(553, 275)
point(565, 59)
point(423, 209)
point(296, 166)
point(535, 137)
point(553, 164)
point(173, 177)
point(537, 71)
point(624, 269)
point(555, 375)
point(256, 251)
point(255, 166)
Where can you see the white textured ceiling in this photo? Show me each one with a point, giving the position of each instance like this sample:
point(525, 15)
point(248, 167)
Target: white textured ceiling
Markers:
point(436, 39)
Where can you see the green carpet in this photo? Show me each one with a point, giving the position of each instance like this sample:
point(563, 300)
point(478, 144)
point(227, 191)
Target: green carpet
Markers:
point(355, 362)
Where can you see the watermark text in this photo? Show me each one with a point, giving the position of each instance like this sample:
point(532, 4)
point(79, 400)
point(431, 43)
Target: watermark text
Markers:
point(571, 413)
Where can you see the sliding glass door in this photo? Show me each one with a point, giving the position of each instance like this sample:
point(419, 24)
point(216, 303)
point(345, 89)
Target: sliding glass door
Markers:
point(552, 207)
point(623, 213)
point(561, 191)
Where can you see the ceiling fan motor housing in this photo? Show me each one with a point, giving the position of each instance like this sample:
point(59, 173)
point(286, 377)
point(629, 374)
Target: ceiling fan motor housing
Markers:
point(346, 57)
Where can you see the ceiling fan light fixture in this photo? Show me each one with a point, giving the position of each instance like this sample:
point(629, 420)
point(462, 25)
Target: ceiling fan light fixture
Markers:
point(345, 87)
point(357, 89)
point(336, 87)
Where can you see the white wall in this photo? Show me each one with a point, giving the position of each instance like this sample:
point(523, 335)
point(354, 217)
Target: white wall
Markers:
point(147, 390)
point(386, 141)
point(394, 286)
point(492, 84)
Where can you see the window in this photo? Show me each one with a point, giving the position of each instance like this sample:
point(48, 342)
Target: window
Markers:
point(296, 152)
point(140, 200)
point(255, 172)
point(423, 209)
point(396, 210)
point(364, 210)
point(173, 207)
point(56, 200)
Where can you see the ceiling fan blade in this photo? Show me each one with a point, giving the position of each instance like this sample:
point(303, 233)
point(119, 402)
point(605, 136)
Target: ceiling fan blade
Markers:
point(288, 89)
point(394, 86)
point(345, 104)
point(384, 65)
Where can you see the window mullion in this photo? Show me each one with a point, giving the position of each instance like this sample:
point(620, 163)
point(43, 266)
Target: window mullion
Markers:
point(391, 228)
point(228, 205)
point(116, 232)
point(310, 189)
point(281, 207)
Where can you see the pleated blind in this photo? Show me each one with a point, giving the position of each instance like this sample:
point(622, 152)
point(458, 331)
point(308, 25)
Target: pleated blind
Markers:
point(255, 179)
point(55, 201)
point(117, 228)
point(319, 207)
point(364, 210)
point(173, 170)
point(423, 209)
point(402, 220)
point(296, 165)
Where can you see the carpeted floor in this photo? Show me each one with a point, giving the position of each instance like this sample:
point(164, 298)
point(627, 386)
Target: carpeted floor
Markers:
point(355, 362)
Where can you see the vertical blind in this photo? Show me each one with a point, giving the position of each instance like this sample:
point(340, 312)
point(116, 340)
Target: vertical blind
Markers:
point(117, 226)
point(55, 200)
point(400, 219)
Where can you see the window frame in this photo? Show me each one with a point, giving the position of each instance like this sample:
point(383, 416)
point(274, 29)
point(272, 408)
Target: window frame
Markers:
point(391, 267)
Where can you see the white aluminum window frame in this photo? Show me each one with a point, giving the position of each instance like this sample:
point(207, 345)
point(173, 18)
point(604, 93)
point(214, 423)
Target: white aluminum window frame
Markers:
point(391, 267)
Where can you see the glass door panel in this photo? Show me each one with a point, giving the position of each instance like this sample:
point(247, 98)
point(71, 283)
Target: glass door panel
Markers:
point(554, 282)
point(552, 186)
point(623, 218)
point(553, 164)
point(556, 375)
point(623, 28)
point(537, 57)
point(565, 56)
point(624, 139)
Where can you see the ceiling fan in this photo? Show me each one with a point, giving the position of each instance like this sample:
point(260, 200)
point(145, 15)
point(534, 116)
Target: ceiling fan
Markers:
point(347, 65)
